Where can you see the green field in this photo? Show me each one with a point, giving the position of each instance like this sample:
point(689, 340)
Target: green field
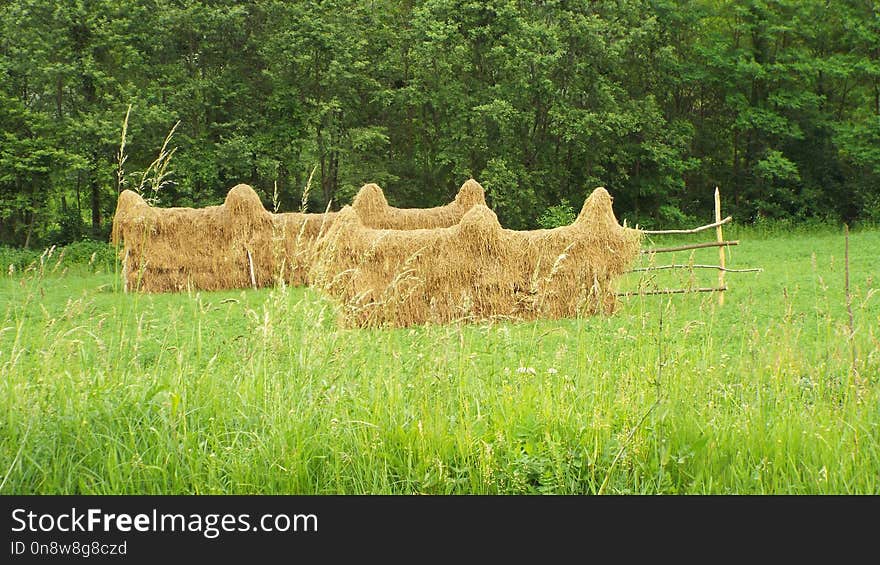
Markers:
point(259, 392)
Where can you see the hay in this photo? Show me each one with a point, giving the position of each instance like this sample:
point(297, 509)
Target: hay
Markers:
point(374, 211)
point(173, 249)
point(475, 270)
point(294, 234)
point(214, 248)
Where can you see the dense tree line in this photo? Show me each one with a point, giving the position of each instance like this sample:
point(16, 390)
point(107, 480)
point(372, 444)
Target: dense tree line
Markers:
point(775, 101)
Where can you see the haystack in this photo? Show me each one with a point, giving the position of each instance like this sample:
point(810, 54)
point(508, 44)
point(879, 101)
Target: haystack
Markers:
point(240, 244)
point(233, 245)
point(374, 211)
point(474, 270)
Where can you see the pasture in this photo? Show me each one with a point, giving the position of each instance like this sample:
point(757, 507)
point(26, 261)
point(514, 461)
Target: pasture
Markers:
point(260, 391)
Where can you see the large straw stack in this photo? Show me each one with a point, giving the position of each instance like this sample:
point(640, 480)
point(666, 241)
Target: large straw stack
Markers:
point(474, 270)
point(240, 244)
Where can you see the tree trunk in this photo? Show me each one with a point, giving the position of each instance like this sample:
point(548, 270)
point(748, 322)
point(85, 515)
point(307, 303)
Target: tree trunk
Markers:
point(325, 188)
point(334, 177)
point(325, 182)
point(27, 238)
point(96, 205)
point(78, 195)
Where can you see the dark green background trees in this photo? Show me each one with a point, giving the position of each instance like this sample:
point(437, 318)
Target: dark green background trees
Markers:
point(777, 102)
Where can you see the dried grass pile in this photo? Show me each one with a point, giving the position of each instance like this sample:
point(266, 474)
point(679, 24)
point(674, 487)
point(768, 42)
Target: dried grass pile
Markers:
point(214, 248)
point(292, 241)
point(374, 211)
point(173, 249)
point(474, 270)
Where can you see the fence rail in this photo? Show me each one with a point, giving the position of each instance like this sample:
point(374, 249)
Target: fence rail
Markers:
point(719, 242)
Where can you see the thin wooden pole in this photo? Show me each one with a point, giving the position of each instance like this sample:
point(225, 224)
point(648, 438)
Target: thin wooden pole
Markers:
point(717, 223)
point(691, 246)
point(671, 291)
point(852, 326)
point(251, 268)
point(676, 266)
point(720, 238)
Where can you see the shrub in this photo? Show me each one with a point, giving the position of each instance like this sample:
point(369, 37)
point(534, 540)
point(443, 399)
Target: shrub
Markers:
point(556, 216)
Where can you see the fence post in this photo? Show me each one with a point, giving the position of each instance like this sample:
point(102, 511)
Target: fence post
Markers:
point(251, 268)
point(720, 237)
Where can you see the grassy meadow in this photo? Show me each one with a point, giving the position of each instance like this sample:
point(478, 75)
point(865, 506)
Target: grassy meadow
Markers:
point(103, 392)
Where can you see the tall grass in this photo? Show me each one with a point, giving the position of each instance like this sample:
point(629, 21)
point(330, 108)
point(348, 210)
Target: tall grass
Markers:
point(261, 392)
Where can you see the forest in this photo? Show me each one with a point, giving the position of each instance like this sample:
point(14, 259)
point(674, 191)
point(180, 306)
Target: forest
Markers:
point(777, 102)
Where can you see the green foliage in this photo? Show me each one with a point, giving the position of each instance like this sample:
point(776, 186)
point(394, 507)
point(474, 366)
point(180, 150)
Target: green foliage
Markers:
point(94, 256)
point(505, 195)
point(659, 101)
point(97, 255)
point(561, 214)
point(16, 259)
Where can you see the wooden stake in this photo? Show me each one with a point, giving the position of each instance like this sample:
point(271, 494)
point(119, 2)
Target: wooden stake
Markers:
point(852, 326)
point(720, 238)
point(251, 268)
